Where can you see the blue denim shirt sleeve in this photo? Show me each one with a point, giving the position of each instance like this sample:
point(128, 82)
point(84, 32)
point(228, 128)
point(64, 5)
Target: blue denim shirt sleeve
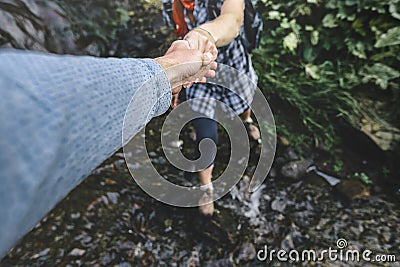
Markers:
point(60, 117)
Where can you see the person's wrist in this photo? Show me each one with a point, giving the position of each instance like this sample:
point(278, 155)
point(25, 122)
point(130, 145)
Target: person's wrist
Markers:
point(166, 64)
point(206, 33)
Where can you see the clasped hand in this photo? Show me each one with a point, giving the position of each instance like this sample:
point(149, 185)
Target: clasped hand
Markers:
point(189, 61)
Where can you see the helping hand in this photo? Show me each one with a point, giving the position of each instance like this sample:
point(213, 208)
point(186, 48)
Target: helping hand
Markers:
point(185, 66)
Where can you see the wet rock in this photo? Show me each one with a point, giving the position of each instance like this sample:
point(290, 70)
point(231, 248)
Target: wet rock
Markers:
point(279, 204)
point(279, 160)
point(322, 223)
point(357, 230)
point(272, 173)
point(152, 154)
point(127, 245)
point(37, 25)
point(140, 222)
point(75, 215)
point(194, 260)
point(148, 259)
point(352, 189)
point(304, 218)
point(221, 263)
point(296, 169)
point(291, 239)
point(279, 217)
point(291, 154)
point(386, 236)
point(247, 252)
point(113, 197)
point(77, 252)
point(41, 253)
point(124, 264)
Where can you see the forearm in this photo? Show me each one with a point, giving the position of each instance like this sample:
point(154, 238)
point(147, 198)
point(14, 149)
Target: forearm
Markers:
point(60, 117)
point(224, 28)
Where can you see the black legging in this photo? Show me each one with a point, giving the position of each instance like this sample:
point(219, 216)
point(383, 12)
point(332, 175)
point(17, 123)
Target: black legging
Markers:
point(205, 128)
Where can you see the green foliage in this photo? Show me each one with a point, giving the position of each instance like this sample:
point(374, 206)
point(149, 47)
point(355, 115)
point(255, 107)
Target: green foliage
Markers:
point(322, 56)
point(385, 171)
point(338, 166)
point(100, 22)
point(362, 177)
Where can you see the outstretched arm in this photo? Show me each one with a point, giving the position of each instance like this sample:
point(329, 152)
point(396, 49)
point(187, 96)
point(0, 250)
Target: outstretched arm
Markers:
point(61, 116)
point(225, 27)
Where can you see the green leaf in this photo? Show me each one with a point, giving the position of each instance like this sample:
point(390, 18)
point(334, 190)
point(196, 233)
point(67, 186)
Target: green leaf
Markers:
point(329, 21)
point(312, 71)
point(392, 37)
point(309, 28)
point(314, 37)
point(274, 15)
point(291, 41)
point(394, 11)
point(309, 54)
point(357, 48)
point(351, 2)
point(379, 73)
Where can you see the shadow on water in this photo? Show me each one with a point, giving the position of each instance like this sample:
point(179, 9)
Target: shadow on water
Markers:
point(108, 220)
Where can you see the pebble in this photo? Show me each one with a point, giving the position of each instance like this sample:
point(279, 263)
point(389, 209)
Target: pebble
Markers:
point(75, 215)
point(41, 253)
point(247, 252)
point(113, 197)
point(77, 252)
point(278, 204)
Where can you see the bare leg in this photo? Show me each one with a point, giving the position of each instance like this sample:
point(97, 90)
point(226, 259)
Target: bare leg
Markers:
point(205, 179)
point(245, 116)
point(252, 131)
point(206, 128)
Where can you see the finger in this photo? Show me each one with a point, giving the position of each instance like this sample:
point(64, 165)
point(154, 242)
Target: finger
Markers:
point(212, 49)
point(202, 80)
point(215, 53)
point(175, 101)
point(186, 84)
point(176, 90)
point(213, 65)
point(179, 44)
point(207, 58)
point(210, 74)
